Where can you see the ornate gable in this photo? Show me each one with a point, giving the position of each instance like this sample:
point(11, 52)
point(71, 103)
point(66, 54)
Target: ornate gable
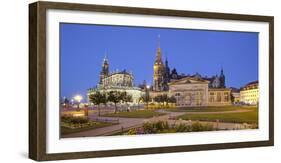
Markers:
point(189, 80)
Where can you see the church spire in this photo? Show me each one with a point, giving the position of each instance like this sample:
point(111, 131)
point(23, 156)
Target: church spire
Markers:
point(105, 59)
point(105, 65)
point(221, 72)
point(166, 60)
point(104, 70)
point(222, 79)
point(158, 41)
point(159, 70)
point(159, 53)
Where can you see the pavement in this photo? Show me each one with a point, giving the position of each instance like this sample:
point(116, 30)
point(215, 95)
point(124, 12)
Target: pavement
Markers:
point(128, 123)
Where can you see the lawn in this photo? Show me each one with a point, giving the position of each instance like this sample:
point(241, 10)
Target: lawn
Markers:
point(243, 117)
point(135, 114)
point(66, 129)
point(210, 108)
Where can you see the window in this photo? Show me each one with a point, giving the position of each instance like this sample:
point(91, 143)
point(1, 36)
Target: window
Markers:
point(219, 97)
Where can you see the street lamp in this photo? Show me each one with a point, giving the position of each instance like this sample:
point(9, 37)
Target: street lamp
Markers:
point(147, 95)
point(78, 98)
point(147, 86)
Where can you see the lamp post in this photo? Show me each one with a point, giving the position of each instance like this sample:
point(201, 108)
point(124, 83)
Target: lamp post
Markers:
point(78, 98)
point(72, 102)
point(147, 95)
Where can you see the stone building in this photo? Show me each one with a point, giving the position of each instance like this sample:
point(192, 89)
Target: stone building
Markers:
point(249, 94)
point(118, 78)
point(189, 91)
point(194, 91)
point(122, 81)
point(219, 96)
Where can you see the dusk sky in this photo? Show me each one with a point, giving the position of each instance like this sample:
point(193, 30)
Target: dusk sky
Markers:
point(83, 48)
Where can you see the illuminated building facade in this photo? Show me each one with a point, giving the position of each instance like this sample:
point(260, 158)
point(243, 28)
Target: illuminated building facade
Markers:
point(219, 96)
point(121, 81)
point(194, 91)
point(249, 94)
point(189, 91)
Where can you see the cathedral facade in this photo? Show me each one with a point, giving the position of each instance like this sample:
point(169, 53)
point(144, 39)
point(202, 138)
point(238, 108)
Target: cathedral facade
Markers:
point(122, 81)
point(116, 78)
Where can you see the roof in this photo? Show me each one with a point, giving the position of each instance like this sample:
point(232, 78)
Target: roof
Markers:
point(189, 80)
point(233, 89)
point(219, 89)
point(252, 83)
point(120, 72)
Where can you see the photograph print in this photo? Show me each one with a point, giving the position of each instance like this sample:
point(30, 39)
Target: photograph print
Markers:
point(127, 80)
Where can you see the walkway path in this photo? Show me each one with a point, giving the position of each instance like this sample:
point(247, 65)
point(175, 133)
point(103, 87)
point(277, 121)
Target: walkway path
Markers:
point(128, 123)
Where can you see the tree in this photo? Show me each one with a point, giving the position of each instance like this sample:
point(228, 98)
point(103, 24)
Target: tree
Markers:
point(172, 99)
point(115, 97)
point(66, 102)
point(158, 98)
point(97, 98)
point(165, 98)
point(104, 98)
point(162, 99)
point(138, 101)
point(145, 98)
point(232, 98)
point(125, 97)
point(128, 98)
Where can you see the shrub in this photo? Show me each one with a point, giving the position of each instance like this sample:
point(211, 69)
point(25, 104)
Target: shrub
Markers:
point(161, 125)
point(200, 127)
point(132, 132)
point(79, 120)
point(183, 128)
point(74, 120)
point(148, 128)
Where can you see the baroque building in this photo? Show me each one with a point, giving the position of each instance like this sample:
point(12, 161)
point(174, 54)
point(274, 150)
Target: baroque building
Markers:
point(122, 81)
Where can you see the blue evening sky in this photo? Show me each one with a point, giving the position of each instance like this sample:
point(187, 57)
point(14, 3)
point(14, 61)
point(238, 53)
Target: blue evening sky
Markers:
point(83, 48)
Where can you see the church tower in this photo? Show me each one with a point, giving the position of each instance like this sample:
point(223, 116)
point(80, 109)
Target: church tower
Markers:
point(105, 70)
point(222, 79)
point(166, 75)
point(159, 70)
